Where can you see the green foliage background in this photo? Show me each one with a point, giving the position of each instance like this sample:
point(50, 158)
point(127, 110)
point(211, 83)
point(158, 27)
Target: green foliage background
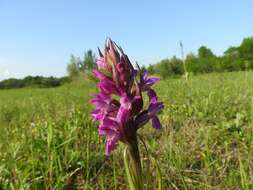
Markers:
point(234, 59)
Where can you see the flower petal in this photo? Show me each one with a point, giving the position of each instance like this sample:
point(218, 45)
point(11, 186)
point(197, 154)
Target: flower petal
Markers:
point(108, 87)
point(97, 115)
point(156, 123)
point(111, 143)
point(99, 74)
point(154, 108)
point(101, 63)
point(124, 110)
point(152, 96)
point(142, 119)
point(147, 82)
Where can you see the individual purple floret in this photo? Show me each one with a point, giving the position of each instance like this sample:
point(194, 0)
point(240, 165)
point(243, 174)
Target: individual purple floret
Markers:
point(119, 103)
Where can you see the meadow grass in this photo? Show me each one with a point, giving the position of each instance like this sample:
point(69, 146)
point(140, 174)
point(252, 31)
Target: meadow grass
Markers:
point(48, 140)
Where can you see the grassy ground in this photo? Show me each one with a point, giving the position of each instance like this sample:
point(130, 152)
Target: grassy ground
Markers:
point(48, 141)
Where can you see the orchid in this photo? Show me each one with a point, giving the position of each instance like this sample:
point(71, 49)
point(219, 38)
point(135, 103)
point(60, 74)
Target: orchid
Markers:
point(119, 119)
point(119, 105)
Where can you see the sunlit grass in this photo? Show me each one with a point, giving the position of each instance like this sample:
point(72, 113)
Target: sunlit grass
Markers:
point(48, 141)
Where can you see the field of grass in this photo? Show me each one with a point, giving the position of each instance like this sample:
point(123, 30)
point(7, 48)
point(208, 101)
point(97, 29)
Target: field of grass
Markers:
point(48, 140)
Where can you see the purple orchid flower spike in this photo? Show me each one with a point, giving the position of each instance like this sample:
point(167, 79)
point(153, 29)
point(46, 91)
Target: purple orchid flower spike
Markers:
point(119, 105)
point(120, 118)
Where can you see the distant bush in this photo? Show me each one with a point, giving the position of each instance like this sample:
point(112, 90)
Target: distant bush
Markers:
point(78, 66)
point(33, 81)
point(168, 67)
point(234, 59)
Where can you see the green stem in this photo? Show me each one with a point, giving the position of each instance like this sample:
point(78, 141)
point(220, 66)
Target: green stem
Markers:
point(134, 168)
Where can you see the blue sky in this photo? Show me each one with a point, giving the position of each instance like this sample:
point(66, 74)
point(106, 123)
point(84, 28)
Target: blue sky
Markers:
point(37, 37)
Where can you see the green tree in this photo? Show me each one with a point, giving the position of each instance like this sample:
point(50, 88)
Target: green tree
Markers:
point(192, 63)
point(232, 51)
point(232, 61)
point(207, 60)
point(246, 51)
point(89, 61)
point(162, 68)
point(151, 69)
point(176, 66)
point(204, 52)
point(73, 67)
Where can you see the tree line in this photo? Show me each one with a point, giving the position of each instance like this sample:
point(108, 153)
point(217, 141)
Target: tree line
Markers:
point(33, 81)
point(205, 61)
point(75, 68)
point(234, 59)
